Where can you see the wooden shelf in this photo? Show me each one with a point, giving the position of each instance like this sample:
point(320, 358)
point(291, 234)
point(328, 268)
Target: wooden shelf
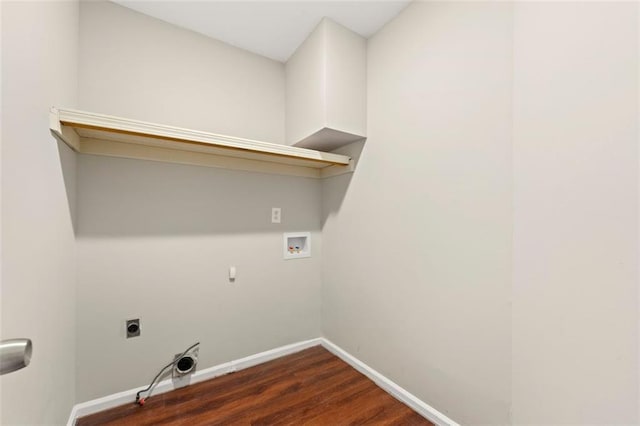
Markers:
point(98, 134)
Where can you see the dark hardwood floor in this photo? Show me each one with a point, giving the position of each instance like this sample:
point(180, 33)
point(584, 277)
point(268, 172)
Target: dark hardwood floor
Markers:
point(312, 387)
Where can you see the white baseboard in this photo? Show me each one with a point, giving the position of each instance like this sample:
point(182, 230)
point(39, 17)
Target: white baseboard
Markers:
point(100, 404)
point(392, 388)
point(128, 396)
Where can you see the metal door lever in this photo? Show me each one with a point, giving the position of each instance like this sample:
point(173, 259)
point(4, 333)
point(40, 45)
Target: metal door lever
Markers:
point(14, 354)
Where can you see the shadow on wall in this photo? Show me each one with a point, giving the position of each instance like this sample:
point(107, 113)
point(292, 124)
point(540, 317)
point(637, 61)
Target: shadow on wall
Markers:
point(68, 162)
point(121, 197)
point(334, 190)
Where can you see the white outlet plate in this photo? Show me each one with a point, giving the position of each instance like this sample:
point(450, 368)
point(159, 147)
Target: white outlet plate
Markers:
point(276, 214)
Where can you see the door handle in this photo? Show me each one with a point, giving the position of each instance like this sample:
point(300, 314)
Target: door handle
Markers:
point(14, 354)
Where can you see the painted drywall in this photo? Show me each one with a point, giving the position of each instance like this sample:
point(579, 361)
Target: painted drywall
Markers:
point(305, 87)
point(326, 87)
point(156, 240)
point(417, 242)
point(346, 79)
point(138, 67)
point(575, 322)
point(39, 69)
point(495, 213)
point(1, 119)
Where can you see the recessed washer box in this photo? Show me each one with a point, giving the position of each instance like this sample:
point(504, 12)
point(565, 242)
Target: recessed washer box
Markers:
point(297, 245)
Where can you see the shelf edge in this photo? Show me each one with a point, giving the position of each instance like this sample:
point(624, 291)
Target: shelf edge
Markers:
point(335, 164)
point(80, 119)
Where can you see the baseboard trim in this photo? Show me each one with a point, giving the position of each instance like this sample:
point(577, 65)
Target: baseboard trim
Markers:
point(110, 401)
point(395, 390)
point(392, 388)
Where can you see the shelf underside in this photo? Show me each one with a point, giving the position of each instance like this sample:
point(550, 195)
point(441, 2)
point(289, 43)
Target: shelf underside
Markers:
point(97, 134)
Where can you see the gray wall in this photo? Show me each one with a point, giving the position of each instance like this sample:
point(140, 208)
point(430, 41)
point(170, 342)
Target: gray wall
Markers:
point(575, 283)
point(492, 221)
point(417, 245)
point(39, 69)
point(135, 66)
point(155, 240)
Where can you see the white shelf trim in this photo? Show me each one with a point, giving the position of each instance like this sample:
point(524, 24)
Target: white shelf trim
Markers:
point(100, 134)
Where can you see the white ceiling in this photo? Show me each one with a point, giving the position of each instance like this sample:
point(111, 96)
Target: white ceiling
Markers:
point(270, 28)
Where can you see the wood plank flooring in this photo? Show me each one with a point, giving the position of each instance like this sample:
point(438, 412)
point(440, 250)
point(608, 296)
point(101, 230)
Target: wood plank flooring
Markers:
point(312, 387)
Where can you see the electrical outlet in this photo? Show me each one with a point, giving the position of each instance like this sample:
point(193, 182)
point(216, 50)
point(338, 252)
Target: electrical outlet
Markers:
point(133, 328)
point(186, 364)
point(276, 214)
